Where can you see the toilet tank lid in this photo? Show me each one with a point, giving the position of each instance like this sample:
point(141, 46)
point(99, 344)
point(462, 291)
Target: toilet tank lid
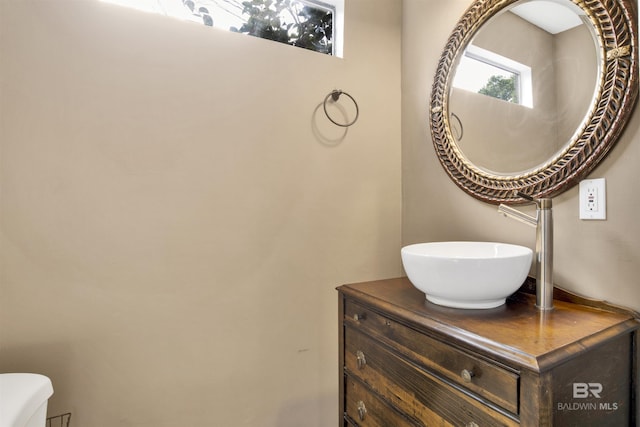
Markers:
point(20, 396)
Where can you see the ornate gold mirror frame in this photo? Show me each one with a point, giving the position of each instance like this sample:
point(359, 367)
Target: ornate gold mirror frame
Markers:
point(615, 25)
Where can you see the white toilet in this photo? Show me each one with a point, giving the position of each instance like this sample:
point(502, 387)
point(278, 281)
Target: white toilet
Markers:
point(23, 400)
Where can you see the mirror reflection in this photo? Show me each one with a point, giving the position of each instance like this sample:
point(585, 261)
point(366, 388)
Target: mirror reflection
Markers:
point(524, 86)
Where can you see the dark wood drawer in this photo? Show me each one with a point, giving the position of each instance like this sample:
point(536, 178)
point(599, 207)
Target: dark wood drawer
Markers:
point(413, 390)
point(365, 409)
point(493, 382)
point(531, 368)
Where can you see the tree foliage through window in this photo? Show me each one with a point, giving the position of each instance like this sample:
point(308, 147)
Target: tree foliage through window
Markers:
point(308, 24)
point(289, 21)
point(295, 22)
point(501, 87)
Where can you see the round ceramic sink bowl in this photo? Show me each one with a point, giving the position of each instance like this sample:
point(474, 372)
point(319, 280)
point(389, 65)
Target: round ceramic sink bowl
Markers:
point(472, 275)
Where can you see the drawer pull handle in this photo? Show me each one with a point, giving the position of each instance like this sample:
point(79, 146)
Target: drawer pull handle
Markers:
point(467, 375)
point(360, 359)
point(362, 410)
point(358, 317)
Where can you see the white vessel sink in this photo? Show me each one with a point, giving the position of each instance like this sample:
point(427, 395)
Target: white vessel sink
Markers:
point(467, 274)
point(24, 399)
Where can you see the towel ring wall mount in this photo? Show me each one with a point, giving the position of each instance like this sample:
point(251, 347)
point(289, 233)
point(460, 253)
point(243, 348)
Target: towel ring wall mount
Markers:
point(334, 96)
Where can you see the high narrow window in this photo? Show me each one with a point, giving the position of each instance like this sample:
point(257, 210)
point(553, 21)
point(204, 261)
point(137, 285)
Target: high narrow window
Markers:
point(309, 24)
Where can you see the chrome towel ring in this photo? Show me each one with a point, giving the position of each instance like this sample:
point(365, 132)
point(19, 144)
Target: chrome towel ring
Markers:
point(334, 96)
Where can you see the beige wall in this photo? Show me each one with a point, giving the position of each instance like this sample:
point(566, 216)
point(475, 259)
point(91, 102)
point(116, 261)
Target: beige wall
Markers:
point(574, 49)
point(176, 211)
point(595, 258)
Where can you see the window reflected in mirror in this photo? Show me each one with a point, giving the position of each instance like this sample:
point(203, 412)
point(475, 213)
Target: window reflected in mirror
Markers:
point(487, 73)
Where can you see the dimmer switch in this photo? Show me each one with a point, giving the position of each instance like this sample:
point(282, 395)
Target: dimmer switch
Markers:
point(593, 199)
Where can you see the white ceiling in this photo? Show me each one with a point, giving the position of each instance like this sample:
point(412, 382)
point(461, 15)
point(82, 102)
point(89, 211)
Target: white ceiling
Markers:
point(552, 16)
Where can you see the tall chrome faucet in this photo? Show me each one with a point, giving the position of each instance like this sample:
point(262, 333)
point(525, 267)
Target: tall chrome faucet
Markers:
point(543, 222)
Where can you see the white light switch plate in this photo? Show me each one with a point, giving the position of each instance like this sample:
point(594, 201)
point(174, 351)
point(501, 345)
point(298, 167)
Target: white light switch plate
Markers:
point(593, 199)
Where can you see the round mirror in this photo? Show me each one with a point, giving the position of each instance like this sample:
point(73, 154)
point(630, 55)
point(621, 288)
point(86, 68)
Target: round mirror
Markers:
point(531, 95)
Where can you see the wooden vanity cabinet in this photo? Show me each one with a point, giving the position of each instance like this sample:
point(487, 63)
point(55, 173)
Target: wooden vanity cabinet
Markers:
point(407, 362)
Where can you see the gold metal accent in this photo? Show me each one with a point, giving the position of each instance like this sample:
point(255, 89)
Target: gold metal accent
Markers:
point(360, 359)
point(358, 317)
point(467, 375)
point(614, 22)
point(618, 52)
point(362, 410)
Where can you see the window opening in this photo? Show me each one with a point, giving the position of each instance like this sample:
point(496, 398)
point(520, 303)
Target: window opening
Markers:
point(309, 24)
point(490, 74)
